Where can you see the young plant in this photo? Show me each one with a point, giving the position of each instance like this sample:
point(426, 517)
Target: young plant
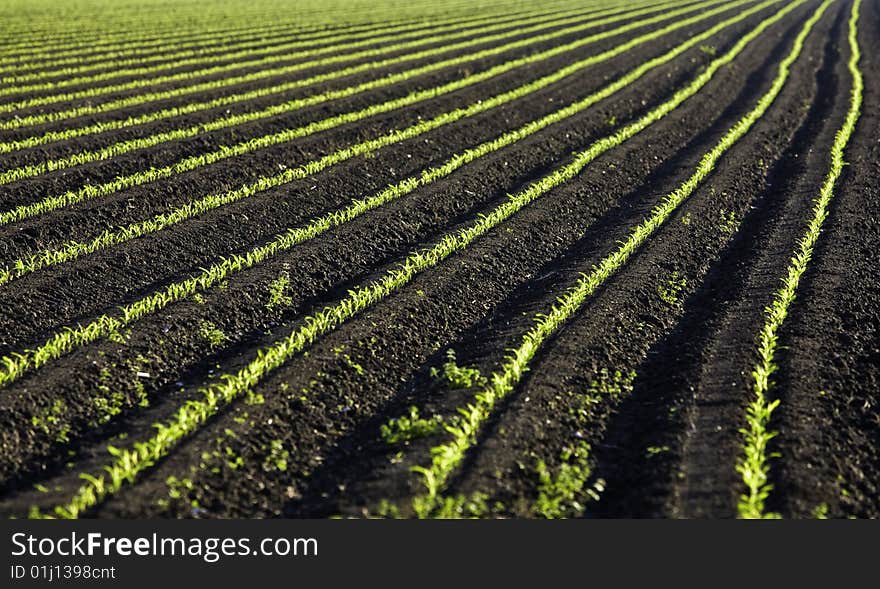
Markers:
point(446, 457)
point(278, 296)
point(458, 377)
point(671, 291)
point(194, 413)
point(564, 493)
point(211, 334)
point(409, 427)
point(754, 465)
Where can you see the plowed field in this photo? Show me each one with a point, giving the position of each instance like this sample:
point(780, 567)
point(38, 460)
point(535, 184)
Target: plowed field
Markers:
point(591, 258)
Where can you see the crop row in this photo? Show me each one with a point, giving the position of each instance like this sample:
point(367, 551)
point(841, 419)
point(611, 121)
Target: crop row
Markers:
point(75, 249)
point(127, 464)
point(446, 457)
point(254, 76)
point(30, 48)
point(754, 466)
point(34, 40)
point(53, 53)
point(231, 49)
point(28, 37)
point(266, 64)
point(286, 52)
point(237, 119)
point(67, 340)
point(120, 148)
point(48, 56)
point(290, 85)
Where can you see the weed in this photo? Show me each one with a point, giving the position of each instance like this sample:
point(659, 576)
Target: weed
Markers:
point(708, 50)
point(211, 334)
point(109, 406)
point(50, 421)
point(233, 461)
point(671, 291)
point(388, 510)
point(728, 221)
point(409, 427)
point(277, 458)
point(565, 493)
point(353, 365)
point(178, 488)
point(652, 451)
point(254, 398)
point(458, 377)
point(614, 384)
point(278, 290)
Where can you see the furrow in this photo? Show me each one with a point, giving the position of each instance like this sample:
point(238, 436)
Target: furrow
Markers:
point(73, 250)
point(288, 52)
point(115, 104)
point(447, 457)
point(130, 462)
point(267, 68)
point(231, 120)
point(754, 464)
point(66, 341)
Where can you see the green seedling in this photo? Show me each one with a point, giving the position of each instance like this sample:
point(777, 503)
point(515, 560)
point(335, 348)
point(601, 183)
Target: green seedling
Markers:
point(671, 291)
point(458, 377)
point(409, 427)
point(193, 414)
point(211, 334)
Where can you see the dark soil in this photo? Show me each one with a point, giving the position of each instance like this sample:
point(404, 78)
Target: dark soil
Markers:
point(188, 247)
point(678, 321)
